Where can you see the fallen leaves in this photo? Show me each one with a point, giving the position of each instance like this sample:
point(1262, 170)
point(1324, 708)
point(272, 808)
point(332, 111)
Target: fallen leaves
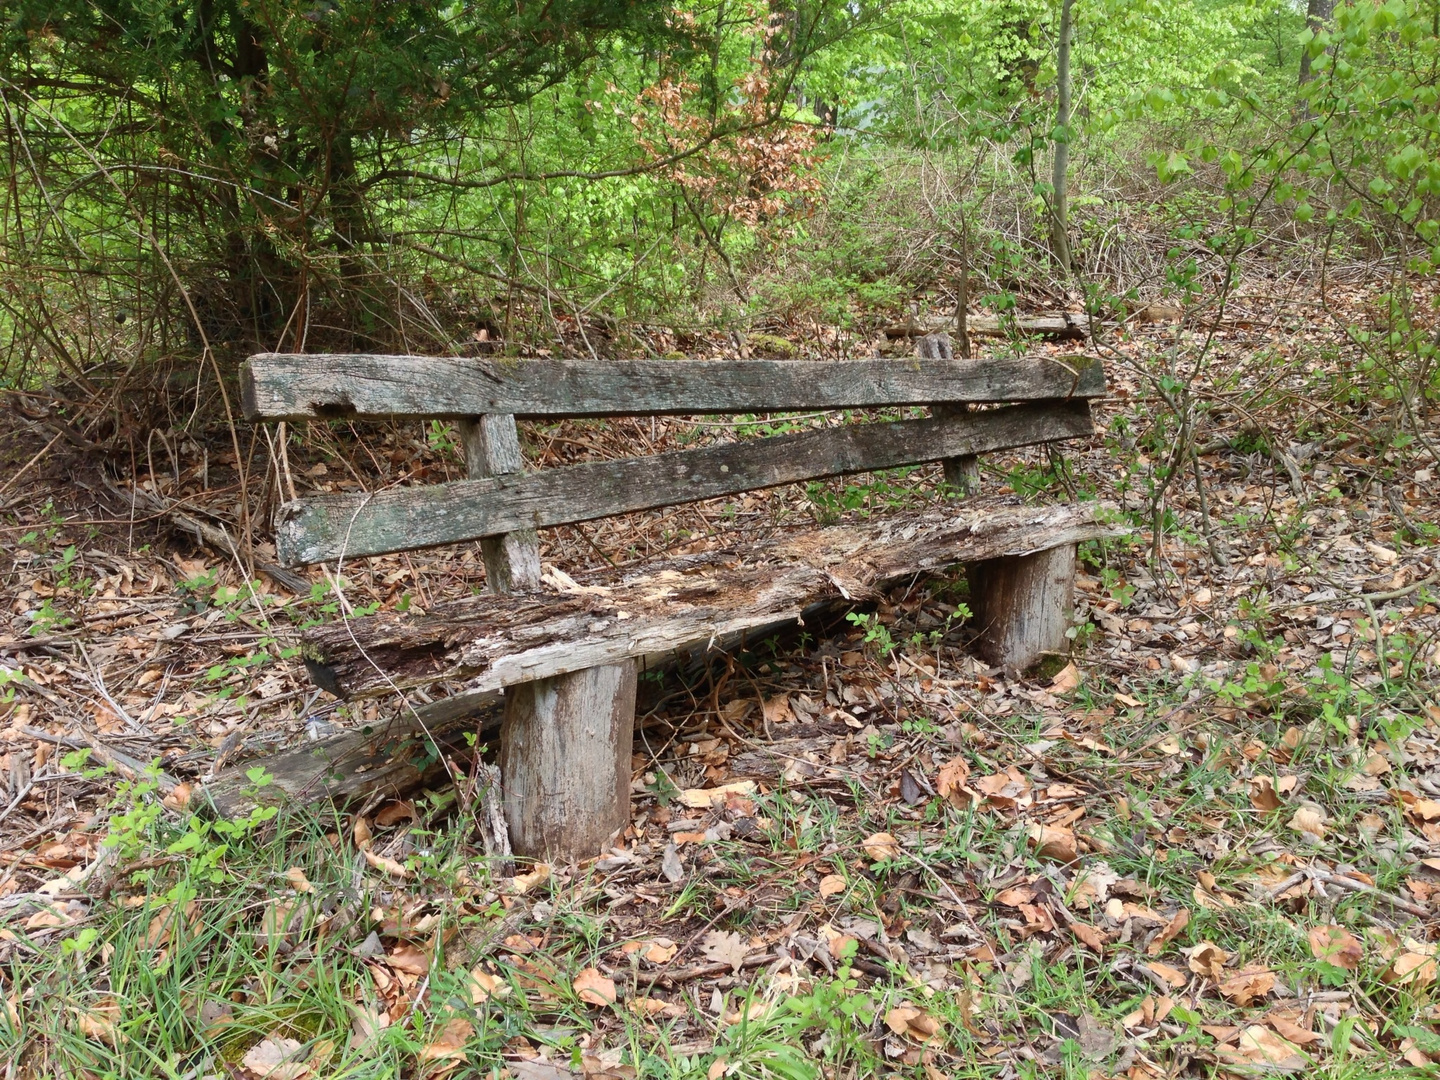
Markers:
point(913, 1023)
point(277, 1058)
point(1054, 844)
point(1336, 945)
point(1168, 933)
point(593, 988)
point(881, 847)
point(1310, 822)
point(448, 1046)
point(1248, 985)
point(725, 947)
point(705, 798)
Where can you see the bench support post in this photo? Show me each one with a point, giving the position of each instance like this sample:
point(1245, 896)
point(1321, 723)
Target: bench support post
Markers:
point(565, 742)
point(565, 761)
point(1023, 605)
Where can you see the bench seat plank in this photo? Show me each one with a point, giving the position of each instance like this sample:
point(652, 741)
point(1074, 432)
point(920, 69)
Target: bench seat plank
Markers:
point(488, 642)
point(318, 386)
point(325, 527)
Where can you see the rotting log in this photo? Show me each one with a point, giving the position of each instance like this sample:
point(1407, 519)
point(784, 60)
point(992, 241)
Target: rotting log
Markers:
point(1023, 605)
point(321, 386)
point(489, 642)
point(324, 527)
point(392, 759)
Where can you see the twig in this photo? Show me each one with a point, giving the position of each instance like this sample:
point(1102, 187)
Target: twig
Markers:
point(1395, 594)
point(700, 971)
point(1352, 885)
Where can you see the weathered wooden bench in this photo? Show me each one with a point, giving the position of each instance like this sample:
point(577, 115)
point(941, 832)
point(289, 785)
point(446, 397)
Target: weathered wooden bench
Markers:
point(564, 653)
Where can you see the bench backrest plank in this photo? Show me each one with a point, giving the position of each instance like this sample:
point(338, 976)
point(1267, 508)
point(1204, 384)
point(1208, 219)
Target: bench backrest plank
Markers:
point(281, 386)
point(325, 527)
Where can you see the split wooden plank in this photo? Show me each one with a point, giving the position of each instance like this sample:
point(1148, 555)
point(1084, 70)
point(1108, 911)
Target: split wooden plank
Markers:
point(1064, 325)
point(404, 519)
point(489, 642)
point(394, 759)
point(283, 386)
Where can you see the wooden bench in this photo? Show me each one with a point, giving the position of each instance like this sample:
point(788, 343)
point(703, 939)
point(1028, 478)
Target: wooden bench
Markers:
point(564, 652)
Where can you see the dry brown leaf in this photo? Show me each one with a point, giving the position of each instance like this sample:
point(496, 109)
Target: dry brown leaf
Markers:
point(1174, 976)
point(298, 881)
point(832, 885)
point(755, 1010)
point(594, 988)
point(881, 846)
point(1288, 1029)
point(1248, 985)
point(1008, 790)
point(950, 784)
point(1258, 1045)
point(52, 916)
point(648, 1006)
point(1309, 820)
point(366, 1024)
point(1411, 969)
point(277, 1058)
point(1057, 845)
point(395, 812)
point(384, 862)
point(1208, 959)
point(362, 833)
point(777, 710)
point(1336, 945)
point(179, 797)
point(523, 883)
point(725, 947)
point(1169, 933)
point(485, 986)
point(98, 1022)
point(913, 1023)
point(705, 798)
point(1263, 795)
point(1065, 680)
point(1090, 935)
point(1014, 897)
point(409, 959)
point(449, 1044)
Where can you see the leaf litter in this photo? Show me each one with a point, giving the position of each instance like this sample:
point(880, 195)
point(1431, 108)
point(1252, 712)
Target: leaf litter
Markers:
point(1208, 841)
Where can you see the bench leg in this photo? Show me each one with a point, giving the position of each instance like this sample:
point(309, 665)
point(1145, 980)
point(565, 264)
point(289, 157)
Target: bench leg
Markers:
point(1023, 605)
point(565, 757)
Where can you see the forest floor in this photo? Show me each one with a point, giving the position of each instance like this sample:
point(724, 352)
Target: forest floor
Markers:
point(1209, 844)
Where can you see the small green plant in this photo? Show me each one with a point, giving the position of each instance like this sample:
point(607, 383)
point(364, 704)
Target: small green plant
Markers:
point(48, 618)
point(441, 437)
point(876, 632)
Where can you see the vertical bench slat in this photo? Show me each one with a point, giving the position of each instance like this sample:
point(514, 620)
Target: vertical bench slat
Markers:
point(963, 472)
point(565, 742)
point(492, 448)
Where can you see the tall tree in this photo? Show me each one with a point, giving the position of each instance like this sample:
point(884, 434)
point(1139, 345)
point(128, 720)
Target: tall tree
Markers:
point(1060, 138)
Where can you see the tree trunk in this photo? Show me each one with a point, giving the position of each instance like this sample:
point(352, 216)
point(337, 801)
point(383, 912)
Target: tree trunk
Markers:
point(1060, 163)
point(1317, 14)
